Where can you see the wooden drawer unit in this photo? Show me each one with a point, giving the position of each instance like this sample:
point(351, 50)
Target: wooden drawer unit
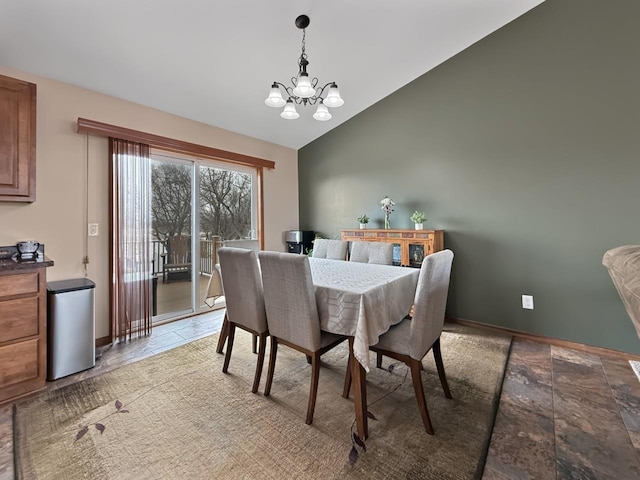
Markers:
point(19, 362)
point(19, 319)
point(19, 284)
point(23, 333)
point(411, 246)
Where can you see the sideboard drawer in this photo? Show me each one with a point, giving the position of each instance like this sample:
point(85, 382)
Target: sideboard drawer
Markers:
point(19, 362)
point(20, 318)
point(21, 284)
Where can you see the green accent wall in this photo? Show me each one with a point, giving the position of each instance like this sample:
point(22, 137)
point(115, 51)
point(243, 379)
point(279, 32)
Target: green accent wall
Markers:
point(525, 148)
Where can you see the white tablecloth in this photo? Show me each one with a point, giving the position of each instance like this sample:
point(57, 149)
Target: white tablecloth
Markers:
point(362, 300)
point(214, 289)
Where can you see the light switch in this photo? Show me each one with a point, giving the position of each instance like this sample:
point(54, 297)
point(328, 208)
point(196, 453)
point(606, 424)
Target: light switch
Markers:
point(93, 230)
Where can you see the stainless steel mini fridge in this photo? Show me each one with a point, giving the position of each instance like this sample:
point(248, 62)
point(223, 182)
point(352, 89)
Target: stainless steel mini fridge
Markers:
point(70, 327)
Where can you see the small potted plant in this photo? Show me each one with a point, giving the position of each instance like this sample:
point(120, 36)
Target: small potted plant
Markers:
point(418, 218)
point(363, 219)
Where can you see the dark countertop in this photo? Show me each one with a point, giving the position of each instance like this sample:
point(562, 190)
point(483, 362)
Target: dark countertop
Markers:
point(14, 263)
point(10, 260)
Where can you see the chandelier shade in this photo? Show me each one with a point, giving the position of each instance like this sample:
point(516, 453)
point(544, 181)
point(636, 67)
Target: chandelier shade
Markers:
point(322, 114)
point(289, 111)
point(333, 97)
point(275, 97)
point(304, 90)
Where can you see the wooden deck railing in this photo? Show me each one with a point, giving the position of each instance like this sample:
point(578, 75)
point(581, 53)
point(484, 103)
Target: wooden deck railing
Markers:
point(208, 255)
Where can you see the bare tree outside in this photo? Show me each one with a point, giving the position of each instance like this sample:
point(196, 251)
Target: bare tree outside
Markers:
point(171, 200)
point(225, 202)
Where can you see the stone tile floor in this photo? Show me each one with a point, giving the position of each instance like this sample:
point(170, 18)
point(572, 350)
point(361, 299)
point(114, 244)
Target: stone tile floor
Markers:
point(563, 414)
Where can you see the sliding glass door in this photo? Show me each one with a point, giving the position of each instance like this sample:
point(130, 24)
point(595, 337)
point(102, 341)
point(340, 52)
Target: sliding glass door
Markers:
point(195, 206)
point(172, 187)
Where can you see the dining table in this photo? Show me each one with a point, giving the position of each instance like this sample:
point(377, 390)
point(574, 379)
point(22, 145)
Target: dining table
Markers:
point(361, 301)
point(358, 300)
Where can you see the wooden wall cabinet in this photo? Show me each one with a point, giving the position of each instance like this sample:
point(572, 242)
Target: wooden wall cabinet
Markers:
point(411, 245)
point(17, 140)
point(23, 331)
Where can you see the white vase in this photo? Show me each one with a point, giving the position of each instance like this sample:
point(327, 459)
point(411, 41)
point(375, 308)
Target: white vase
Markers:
point(363, 226)
point(419, 226)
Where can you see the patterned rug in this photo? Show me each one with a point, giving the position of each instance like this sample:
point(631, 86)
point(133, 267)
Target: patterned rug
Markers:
point(175, 415)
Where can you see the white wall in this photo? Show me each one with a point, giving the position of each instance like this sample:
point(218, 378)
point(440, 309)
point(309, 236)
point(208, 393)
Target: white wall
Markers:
point(65, 159)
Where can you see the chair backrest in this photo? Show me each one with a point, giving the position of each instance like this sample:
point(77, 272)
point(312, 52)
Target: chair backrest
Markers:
point(179, 249)
point(380, 253)
point(243, 288)
point(290, 299)
point(331, 249)
point(244, 243)
point(430, 302)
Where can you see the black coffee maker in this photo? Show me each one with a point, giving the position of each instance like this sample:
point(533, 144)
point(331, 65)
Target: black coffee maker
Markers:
point(29, 249)
point(299, 241)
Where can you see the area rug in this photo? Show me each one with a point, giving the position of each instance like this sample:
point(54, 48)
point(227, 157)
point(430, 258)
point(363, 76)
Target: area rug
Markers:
point(175, 415)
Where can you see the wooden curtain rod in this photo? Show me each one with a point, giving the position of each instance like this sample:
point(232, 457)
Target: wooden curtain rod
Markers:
point(157, 141)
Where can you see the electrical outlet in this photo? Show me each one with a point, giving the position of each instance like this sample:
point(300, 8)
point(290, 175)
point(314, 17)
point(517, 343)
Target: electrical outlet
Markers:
point(93, 230)
point(527, 302)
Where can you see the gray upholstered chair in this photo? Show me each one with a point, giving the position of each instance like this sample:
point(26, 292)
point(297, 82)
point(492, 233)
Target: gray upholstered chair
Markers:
point(245, 301)
point(372, 252)
point(331, 249)
point(623, 264)
point(292, 313)
point(224, 332)
point(411, 339)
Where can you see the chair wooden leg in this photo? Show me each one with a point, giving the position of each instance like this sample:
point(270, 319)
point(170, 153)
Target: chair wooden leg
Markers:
point(313, 390)
point(420, 398)
point(254, 343)
point(227, 357)
point(224, 332)
point(359, 379)
point(440, 366)
point(272, 365)
point(379, 360)
point(263, 346)
point(347, 379)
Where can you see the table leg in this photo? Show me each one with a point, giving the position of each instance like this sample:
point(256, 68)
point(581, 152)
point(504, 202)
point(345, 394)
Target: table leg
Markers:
point(359, 379)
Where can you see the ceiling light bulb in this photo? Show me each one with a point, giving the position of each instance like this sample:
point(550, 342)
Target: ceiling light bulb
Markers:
point(275, 97)
point(289, 111)
point(322, 114)
point(303, 87)
point(333, 97)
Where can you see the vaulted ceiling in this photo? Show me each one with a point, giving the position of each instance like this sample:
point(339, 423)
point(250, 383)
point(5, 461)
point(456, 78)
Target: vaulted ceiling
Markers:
point(213, 61)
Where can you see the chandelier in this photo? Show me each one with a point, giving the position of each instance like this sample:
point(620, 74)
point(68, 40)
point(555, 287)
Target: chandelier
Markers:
point(304, 91)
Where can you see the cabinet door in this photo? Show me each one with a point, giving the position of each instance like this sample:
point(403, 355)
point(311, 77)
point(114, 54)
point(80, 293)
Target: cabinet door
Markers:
point(17, 140)
point(416, 254)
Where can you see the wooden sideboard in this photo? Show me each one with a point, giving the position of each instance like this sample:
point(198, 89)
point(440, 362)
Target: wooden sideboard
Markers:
point(23, 327)
point(411, 246)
